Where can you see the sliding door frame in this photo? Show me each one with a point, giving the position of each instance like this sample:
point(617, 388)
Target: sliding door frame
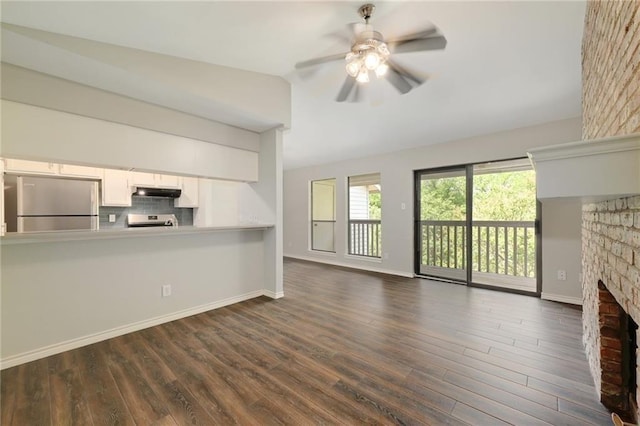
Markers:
point(468, 169)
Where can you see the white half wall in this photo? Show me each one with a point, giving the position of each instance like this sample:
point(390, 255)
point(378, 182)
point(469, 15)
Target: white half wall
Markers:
point(56, 296)
point(396, 170)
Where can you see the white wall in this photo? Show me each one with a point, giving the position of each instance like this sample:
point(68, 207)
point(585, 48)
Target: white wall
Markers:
point(57, 296)
point(561, 249)
point(397, 189)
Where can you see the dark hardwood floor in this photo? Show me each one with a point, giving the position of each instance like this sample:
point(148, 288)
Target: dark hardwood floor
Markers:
point(342, 347)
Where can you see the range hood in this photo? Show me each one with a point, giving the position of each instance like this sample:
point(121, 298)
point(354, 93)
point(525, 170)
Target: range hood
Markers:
point(157, 192)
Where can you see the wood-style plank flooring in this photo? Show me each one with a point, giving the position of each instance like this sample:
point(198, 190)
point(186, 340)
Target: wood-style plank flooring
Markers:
point(342, 347)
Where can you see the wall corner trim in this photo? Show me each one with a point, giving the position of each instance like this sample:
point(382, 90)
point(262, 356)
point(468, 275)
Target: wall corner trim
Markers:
point(273, 295)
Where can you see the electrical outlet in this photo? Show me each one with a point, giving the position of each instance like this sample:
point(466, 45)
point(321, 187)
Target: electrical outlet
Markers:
point(562, 275)
point(166, 290)
point(385, 256)
point(112, 218)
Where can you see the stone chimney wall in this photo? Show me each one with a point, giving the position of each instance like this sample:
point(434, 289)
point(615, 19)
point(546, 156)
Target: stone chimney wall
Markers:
point(610, 107)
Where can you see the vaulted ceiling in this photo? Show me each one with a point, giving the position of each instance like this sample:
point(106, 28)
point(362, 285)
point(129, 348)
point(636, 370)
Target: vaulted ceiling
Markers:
point(506, 64)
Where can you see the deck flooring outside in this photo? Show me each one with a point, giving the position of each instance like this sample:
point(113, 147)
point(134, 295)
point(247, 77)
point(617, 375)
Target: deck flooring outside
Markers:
point(342, 347)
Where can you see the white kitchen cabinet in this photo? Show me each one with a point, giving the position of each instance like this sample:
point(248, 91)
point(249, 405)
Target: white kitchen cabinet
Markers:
point(190, 191)
point(154, 180)
point(80, 171)
point(143, 179)
point(167, 181)
point(116, 190)
point(12, 165)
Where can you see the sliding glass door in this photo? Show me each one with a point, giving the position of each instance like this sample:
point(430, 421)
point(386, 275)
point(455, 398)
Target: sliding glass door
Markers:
point(442, 228)
point(504, 215)
point(476, 224)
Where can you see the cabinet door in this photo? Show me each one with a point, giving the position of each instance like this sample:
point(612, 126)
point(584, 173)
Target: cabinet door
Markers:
point(167, 181)
point(189, 195)
point(115, 188)
point(143, 179)
point(80, 171)
point(30, 167)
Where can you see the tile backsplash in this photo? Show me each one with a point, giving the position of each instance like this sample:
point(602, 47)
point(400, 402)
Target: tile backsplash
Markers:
point(145, 205)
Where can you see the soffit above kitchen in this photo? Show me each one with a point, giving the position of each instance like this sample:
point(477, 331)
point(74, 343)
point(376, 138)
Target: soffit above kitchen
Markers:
point(218, 93)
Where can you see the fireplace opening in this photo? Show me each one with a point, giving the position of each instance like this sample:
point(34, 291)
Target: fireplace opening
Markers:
point(618, 356)
point(629, 363)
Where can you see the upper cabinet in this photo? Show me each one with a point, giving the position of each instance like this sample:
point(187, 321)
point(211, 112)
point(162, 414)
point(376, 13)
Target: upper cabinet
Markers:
point(116, 190)
point(43, 168)
point(80, 171)
point(154, 180)
point(189, 195)
point(30, 167)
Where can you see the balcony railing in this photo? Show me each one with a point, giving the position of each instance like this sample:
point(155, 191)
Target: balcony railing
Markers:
point(498, 247)
point(365, 237)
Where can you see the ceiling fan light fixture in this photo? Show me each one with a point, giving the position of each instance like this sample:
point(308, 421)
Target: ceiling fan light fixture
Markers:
point(382, 69)
point(363, 76)
point(372, 60)
point(353, 64)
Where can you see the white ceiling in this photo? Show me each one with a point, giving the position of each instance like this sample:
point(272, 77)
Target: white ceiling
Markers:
point(506, 65)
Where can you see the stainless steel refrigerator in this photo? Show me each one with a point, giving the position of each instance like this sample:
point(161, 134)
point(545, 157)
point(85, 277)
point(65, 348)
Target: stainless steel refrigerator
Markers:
point(52, 204)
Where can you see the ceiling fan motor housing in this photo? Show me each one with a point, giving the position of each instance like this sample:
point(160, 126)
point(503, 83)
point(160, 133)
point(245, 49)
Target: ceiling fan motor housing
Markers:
point(366, 10)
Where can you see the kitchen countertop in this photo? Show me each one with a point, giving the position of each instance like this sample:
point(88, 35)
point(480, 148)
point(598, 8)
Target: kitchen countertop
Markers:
point(57, 236)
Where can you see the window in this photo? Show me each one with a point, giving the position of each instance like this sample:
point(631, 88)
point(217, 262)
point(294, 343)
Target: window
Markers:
point(365, 215)
point(323, 215)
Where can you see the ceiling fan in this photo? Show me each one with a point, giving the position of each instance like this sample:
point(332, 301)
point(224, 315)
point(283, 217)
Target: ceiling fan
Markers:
point(371, 54)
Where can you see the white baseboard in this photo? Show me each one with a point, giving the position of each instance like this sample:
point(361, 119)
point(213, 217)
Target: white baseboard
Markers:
point(68, 345)
point(351, 265)
point(561, 298)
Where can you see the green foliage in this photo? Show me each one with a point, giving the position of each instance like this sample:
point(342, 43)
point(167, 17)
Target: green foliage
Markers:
point(375, 206)
point(506, 196)
point(443, 199)
point(496, 196)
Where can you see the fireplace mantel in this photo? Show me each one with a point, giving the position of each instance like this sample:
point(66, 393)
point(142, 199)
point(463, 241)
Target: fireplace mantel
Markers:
point(593, 170)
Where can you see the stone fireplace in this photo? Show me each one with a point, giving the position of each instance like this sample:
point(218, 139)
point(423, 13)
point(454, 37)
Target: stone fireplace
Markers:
point(600, 172)
point(603, 171)
point(611, 305)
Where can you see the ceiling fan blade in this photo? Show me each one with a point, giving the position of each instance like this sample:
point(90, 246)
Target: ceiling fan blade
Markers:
point(420, 34)
point(413, 79)
point(418, 45)
point(357, 94)
point(345, 34)
point(322, 60)
point(347, 86)
point(395, 77)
